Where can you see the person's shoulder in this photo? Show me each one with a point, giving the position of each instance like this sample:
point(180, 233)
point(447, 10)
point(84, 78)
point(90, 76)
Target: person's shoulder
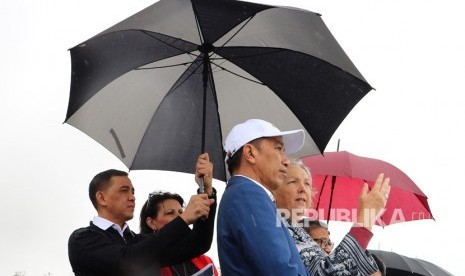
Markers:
point(241, 182)
point(85, 231)
point(245, 185)
point(81, 229)
point(242, 190)
point(202, 259)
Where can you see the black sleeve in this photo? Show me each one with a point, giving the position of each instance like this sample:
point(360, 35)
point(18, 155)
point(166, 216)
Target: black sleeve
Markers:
point(93, 251)
point(155, 248)
point(196, 243)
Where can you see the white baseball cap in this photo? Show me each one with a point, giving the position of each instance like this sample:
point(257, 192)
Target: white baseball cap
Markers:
point(253, 129)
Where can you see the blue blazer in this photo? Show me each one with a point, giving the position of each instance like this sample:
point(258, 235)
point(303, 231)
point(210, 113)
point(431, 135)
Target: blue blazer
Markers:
point(251, 237)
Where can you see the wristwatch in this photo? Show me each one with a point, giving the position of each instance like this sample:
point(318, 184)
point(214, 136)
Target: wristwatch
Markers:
point(213, 195)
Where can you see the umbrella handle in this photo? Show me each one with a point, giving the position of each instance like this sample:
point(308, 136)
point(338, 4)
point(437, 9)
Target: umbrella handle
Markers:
point(201, 186)
point(201, 191)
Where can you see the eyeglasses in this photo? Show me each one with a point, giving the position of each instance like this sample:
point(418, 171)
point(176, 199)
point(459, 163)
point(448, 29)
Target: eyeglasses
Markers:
point(159, 197)
point(147, 206)
point(323, 243)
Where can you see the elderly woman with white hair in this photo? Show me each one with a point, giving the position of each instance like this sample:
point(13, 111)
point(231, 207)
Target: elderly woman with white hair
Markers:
point(350, 257)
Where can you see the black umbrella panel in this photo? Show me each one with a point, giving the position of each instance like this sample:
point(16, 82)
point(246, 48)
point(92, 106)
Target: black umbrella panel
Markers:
point(162, 86)
point(400, 265)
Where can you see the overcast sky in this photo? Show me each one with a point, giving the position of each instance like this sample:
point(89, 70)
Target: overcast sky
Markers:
point(412, 52)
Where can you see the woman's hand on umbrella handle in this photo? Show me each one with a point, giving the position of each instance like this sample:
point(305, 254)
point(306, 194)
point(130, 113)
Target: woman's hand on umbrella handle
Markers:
point(204, 169)
point(371, 204)
point(198, 207)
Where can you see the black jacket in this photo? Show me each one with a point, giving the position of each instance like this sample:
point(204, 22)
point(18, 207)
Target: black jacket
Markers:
point(93, 251)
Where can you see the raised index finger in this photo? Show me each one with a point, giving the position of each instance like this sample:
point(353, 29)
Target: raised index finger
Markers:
point(378, 182)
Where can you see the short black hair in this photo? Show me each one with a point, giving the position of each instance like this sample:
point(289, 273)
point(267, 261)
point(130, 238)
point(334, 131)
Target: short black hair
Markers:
point(234, 161)
point(101, 182)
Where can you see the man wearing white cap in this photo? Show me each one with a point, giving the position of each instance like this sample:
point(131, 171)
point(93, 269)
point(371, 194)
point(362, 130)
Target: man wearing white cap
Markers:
point(252, 239)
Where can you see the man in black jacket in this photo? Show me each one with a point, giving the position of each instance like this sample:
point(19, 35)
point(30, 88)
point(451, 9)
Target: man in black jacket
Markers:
point(108, 247)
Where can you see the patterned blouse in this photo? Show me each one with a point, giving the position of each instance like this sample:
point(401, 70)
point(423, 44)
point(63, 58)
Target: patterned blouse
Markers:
point(348, 258)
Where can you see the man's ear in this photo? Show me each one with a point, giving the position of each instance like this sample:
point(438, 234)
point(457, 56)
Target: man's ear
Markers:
point(249, 153)
point(101, 200)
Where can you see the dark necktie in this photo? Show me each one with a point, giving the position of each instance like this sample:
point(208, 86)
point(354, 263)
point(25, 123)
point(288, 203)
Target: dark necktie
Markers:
point(128, 236)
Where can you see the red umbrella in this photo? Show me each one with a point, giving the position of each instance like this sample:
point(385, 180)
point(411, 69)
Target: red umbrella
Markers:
point(338, 178)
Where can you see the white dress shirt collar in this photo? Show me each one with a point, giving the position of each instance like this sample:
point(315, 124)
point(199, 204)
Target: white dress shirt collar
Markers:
point(104, 224)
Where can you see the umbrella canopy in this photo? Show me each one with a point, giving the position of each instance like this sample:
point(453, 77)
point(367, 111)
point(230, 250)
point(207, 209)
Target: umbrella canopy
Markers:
point(162, 86)
point(338, 178)
point(400, 265)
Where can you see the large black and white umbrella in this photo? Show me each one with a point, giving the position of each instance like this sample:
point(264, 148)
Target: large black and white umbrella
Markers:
point(164, 85)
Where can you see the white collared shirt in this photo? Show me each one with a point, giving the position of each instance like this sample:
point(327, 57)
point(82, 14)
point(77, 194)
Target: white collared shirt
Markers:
point(260, 185)
point(104, 224)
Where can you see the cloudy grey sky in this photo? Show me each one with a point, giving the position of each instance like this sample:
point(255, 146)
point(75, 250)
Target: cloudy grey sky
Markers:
point(410, 51)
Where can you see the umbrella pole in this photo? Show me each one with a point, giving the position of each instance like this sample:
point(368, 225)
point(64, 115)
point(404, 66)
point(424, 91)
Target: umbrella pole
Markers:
point(333, 182)
point(321, 192)
point(204, 113)
point(206, 62)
